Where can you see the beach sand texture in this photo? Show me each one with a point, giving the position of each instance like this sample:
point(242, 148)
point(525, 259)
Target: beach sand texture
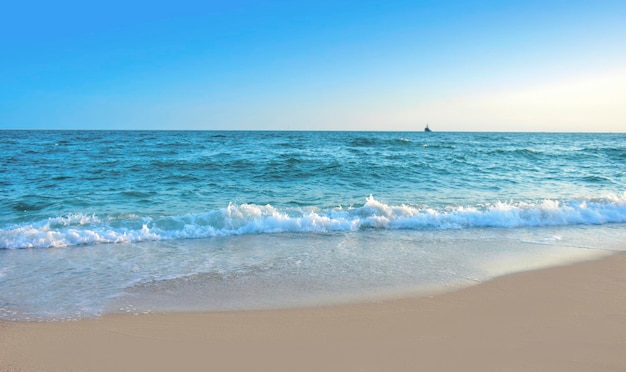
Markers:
point(569, 318)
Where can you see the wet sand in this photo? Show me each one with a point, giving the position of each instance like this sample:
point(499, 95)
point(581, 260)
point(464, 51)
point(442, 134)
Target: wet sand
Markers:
point(568, 318)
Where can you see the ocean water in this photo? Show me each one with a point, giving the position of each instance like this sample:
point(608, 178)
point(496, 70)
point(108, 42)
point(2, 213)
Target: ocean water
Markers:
point(96, 222)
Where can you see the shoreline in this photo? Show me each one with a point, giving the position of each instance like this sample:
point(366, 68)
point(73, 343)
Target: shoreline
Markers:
point(570, 318)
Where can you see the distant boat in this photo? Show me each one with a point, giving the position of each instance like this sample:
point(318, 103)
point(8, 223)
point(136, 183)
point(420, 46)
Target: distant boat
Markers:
point(427, 129)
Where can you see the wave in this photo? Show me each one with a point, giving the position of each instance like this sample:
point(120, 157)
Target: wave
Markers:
point(79, 229)
point(529, 153)
point(374, 141)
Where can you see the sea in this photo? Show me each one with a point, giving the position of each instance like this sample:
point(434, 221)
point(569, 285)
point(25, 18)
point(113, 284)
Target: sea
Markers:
point(106, 222)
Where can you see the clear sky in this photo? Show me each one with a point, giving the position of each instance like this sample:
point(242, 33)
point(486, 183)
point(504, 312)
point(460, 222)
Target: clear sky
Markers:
point(314, 65)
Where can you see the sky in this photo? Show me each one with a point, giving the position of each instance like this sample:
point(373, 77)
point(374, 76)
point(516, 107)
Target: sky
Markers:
point(511, 65)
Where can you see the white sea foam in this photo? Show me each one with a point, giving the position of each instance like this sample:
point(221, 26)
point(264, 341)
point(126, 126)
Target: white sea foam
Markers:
point(245, 219)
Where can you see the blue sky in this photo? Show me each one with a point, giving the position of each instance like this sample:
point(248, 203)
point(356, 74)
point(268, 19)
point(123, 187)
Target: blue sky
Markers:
point(314, 65)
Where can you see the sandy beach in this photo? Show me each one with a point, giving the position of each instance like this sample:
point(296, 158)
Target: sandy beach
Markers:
point(568, 318)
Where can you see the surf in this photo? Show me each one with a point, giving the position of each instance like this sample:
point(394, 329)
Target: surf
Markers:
point(245, 219)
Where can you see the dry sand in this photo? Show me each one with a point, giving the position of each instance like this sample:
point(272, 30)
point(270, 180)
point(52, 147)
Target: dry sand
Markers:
point(570, 318)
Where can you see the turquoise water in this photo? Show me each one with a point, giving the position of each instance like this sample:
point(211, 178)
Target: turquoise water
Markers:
point(93, 222)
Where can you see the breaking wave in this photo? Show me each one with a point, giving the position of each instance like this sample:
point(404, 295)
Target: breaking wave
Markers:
point(79, 229)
